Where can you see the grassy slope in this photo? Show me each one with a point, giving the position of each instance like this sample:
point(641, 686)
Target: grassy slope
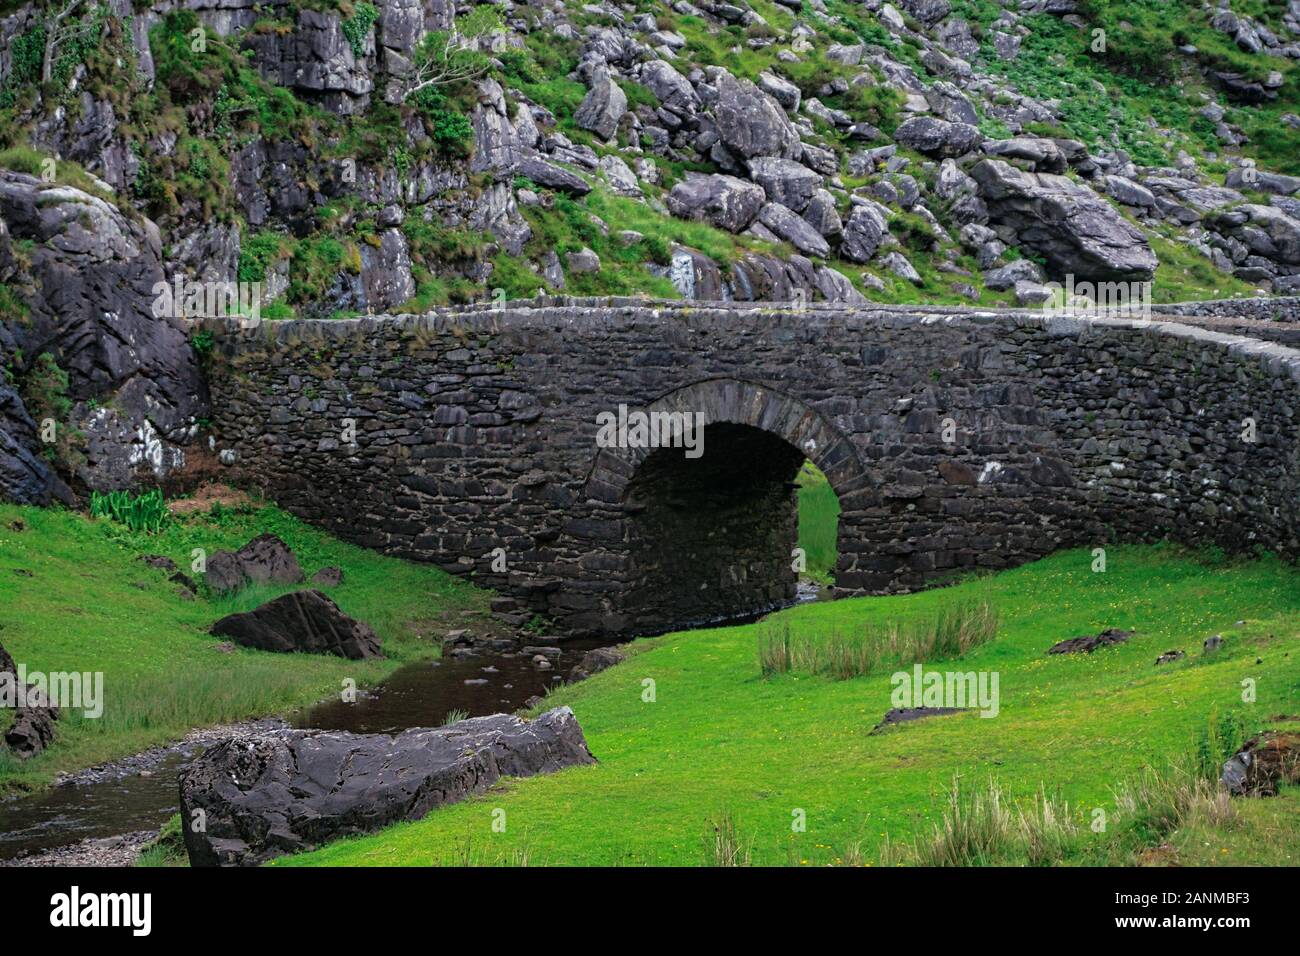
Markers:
point(819, 513)
point(719, 737)
point(89, 605)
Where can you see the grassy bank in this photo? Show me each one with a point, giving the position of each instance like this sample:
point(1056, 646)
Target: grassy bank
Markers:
point(819, 516)
point(75, 597)
point(720, 742)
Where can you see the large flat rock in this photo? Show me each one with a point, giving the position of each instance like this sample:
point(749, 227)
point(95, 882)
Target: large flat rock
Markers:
point(266, 795)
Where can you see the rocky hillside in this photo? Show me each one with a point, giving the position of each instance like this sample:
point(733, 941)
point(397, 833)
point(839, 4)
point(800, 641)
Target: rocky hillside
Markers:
point(364, 157)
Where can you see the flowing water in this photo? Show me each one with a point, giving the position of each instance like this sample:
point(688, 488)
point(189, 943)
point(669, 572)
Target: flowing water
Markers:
point(415, 695)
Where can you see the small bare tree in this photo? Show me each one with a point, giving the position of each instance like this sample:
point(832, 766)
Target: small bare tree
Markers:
point(63, 24)
point(448, 57)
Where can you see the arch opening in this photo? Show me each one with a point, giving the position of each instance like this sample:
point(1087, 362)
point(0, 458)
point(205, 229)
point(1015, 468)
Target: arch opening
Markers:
point(714, 538)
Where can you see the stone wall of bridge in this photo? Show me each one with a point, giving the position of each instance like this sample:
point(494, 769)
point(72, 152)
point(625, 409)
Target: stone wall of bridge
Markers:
point(954, 440)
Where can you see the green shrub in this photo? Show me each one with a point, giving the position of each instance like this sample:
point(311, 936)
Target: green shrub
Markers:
point(146, 513)
point(451, 132)
point(26, 54)
point(357, 27)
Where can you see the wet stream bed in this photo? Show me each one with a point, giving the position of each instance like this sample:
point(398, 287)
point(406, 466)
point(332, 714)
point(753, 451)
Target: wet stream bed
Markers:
point(140, 793)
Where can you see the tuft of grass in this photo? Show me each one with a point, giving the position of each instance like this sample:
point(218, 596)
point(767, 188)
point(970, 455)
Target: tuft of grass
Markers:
point(843, 655)
point(985, 826)
point(167, 849)
point(724, 845)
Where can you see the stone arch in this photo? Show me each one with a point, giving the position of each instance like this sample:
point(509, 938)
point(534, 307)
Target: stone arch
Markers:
point(737, 402)
point(711, 538)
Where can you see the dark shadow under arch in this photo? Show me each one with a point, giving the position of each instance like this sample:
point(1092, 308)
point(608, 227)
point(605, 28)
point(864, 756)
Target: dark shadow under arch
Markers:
point(712, 537)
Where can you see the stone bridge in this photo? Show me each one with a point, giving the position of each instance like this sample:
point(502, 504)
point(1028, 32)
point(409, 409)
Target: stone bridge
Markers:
point(955, 440)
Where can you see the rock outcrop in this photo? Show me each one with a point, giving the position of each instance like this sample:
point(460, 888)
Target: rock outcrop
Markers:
point(32, 727)
point(1087, 643)
point(289, 791)
point(300, 622)
point(1068, 224)
point(603, 106)
point(264, 560)
point(1262, 764)
point(723, 201)
point(750, 122)
point(936, 137)
point(86, 277)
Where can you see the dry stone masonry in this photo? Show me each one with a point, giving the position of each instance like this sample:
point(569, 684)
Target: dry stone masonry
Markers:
point(954, 439)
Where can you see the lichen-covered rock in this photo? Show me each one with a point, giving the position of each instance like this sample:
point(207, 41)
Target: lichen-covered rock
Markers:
point(789, 226)
point(264, 796)
point(551, 176)
point(936, 137)
point(863, 233)
point(784, 181)
point(674, 91)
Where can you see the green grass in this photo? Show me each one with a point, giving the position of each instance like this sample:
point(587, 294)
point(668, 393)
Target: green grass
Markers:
point(720, 742)
point(819, 521)
point(90, 605)
point(1264, 834)
point(842, 654)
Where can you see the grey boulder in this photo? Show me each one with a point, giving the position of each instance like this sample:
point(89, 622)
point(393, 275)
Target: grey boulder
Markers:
point(552, 176)
point(1006, 277)
point(750, 122)
point(723, 201)
point(863, 233)
point(603, 106)
point(267, 795)
point(1073, 228)
point(785, 181)
point(787, 224)
point(936, 137)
